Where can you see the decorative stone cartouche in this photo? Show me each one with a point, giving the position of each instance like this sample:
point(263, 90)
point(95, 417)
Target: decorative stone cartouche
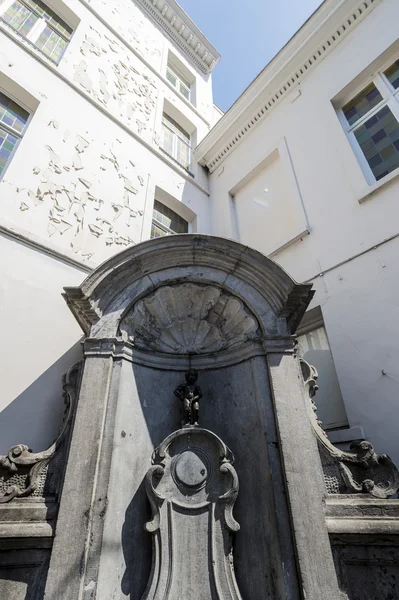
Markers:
point(192, 487)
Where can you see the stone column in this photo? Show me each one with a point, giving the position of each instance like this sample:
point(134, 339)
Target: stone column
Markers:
point(77, 545)
point(304, 479)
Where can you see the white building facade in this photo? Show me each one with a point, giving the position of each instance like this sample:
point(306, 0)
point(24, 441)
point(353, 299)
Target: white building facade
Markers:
point(101, 104)
point(304, 168)
point(110, 144)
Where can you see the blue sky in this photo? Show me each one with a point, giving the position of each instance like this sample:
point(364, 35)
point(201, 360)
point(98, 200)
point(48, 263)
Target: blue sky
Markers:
point(247, 33)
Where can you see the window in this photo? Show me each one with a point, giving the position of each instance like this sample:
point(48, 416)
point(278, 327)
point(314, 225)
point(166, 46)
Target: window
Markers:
point(371, 120)
point(37, 23)
point(176, 141)
point(166, 221)
point(13, 120)
point(178, 81)
point(313, 346)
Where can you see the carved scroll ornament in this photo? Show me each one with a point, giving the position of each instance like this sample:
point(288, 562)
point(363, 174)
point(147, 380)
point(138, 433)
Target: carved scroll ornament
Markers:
point(189, 318)
point(192, 487)
point(25, 473)
point(362, 471)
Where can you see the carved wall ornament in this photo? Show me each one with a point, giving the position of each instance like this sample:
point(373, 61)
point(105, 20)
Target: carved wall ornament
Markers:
point(189, 318)
point(192, 487)
point(25, 473)
point(78, 214)
point(361, 471)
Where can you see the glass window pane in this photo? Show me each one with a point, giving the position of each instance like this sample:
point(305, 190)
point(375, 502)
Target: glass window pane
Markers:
point(172, 220)
point(178, 81)
point(184, 91)
point(20, 18)
point(174, 126)
point(157, 231)
point(378, 142)
point(182, 153)
point(168, 138)
point(176, 141)
point(11, 114)
point(362, 104)
point(51, 43)
point(51, 17)
point(171, 77)
point(7, 145)
point(393, 74)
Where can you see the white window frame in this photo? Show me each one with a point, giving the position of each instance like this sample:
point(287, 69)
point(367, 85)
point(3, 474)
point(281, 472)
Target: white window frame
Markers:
point(390, 98)
point(180, 81)
point(38, 28)
point(165, 123)
point(17, 134)
point(163, 227)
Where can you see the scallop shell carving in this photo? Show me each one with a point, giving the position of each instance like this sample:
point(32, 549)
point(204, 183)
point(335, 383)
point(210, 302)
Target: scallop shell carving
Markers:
point(189, 319)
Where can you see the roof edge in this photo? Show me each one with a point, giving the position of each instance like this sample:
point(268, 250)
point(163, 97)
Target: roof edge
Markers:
point(322, 32)
point(180, 28)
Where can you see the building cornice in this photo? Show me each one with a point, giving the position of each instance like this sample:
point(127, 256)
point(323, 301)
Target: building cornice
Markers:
point(323, 31)
point(177, 25)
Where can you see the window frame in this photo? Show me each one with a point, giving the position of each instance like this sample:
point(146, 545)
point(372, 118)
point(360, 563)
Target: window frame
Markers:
point(38, 28)
point(390, 98)
point(172, 122)
point(180, 80)
point(162, 226)
point(9, 129)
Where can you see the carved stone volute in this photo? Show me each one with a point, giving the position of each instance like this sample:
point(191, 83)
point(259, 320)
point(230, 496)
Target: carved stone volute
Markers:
point(361, 471)
point(23, 472)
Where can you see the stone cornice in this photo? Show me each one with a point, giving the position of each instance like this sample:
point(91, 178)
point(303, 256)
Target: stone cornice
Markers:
point(349, 514)
point(179, 27)
point(118, 348)
point(281, 77)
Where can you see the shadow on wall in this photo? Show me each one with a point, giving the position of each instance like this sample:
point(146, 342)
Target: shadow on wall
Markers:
point(134, 535)
point(35, 416)
point(237, 406)
point(157, 417)
point(23, 573)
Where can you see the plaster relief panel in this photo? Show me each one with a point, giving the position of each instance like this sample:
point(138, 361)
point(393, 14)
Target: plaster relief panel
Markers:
point(107, 71)
point(85, 195)
point(127, 19)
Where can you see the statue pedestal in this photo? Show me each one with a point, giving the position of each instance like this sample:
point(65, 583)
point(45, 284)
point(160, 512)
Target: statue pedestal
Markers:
point(192, 487)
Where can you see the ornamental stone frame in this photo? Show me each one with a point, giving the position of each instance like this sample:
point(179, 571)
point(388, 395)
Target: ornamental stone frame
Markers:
point(149, 313)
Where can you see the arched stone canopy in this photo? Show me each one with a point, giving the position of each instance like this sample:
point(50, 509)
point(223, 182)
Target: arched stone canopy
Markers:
point(267, 292)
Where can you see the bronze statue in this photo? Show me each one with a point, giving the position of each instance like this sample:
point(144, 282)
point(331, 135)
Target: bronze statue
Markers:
point(190, 394)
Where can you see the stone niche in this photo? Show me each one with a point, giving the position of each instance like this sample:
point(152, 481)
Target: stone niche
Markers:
point(149, 314)
point(135, 489)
